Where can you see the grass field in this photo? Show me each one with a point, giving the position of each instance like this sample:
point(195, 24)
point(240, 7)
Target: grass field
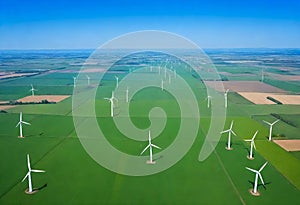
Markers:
point(73, 177)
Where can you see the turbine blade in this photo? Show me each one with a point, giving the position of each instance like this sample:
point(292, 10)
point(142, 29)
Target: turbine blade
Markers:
point(36, 170)
point(275, 122)
point(266, 122)
point(153, 145)
point(149, 137)
point(224, 131)
point(233, 132)
point(145, 149)
point(231, 124)
point(261, 179)
point(262, 167)
point(18, 124)
point(25, 176)
point(27, 123)
point(252, 170)
point(28, 162)
point(253, 144)
point(254, 135)
point(248, 140)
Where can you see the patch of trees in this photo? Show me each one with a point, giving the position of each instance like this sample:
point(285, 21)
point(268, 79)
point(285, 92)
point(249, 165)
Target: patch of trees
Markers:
point(14, 102)
point(274, 100)
point(283, 119)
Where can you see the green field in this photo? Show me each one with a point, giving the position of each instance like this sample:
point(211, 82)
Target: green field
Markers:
point(73, 177)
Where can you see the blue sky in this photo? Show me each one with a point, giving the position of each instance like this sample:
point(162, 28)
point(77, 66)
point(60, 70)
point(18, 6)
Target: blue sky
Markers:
point(87, 24)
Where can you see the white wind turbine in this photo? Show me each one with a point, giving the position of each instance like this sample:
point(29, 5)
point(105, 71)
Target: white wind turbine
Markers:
point(111, 100)
point(165, 72)
point(162, 85)
point(117, 79)
point(88, 79)
point(229, 135)
point(252, 144)
point(169, 78)
point(159, 70)
point(150, 145)
point(208, 101)
point(127, 92)
point(74, 81)
point(32, 90)
point(20, 123)
point(271, 128)
point(257, 173)
point(29, 190)
point(175, 74)
point(225, 97)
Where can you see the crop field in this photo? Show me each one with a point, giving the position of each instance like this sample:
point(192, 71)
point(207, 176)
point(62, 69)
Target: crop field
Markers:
point(74, 177)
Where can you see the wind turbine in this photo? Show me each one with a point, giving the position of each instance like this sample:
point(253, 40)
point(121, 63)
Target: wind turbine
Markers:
point(162, 85)
point(252, 144)
point(262, 75)
point(127, 91)
point(117, 78)
point(28, 175)
point(159, 70)
point(88, 79)
point(175, 74)
point(271, 127)
point(74, 82)
point(225, 97)
point(111, 100)
point(257, 173)
point(208, 101)
point(165, 72)
point(169, 78)
point(229, 135)
point(20, 125)
point(150, 145)
point(32, 90)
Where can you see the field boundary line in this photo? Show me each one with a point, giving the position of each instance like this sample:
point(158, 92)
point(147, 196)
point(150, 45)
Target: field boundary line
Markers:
point(229, 178)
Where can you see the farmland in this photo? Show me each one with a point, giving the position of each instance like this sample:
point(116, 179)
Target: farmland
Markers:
point(73, 177)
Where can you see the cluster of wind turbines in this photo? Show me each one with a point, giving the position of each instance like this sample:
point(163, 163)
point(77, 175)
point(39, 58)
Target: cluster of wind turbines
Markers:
point(75, 79)
point(30, 190)
point(209, 99)
point(258, 175)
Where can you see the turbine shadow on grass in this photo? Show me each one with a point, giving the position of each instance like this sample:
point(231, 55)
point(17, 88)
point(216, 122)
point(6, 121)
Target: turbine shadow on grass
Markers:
point(40, 188)
point(158, 158)
point(260, 184)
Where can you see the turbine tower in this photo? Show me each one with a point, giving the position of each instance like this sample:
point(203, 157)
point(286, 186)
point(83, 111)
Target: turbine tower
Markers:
point(32, 90)
point(271, 128)
point(74, 81)
point(162, 85)
point(20, 123)
point(88, 79)
point(117, 79)
point(127, 92)
point(28, 175)
point(257, 174)
point(150, 145)
point(208, 101)
point(111, 100)
point(252, 144)
point(225, 97)
point(229, 136)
